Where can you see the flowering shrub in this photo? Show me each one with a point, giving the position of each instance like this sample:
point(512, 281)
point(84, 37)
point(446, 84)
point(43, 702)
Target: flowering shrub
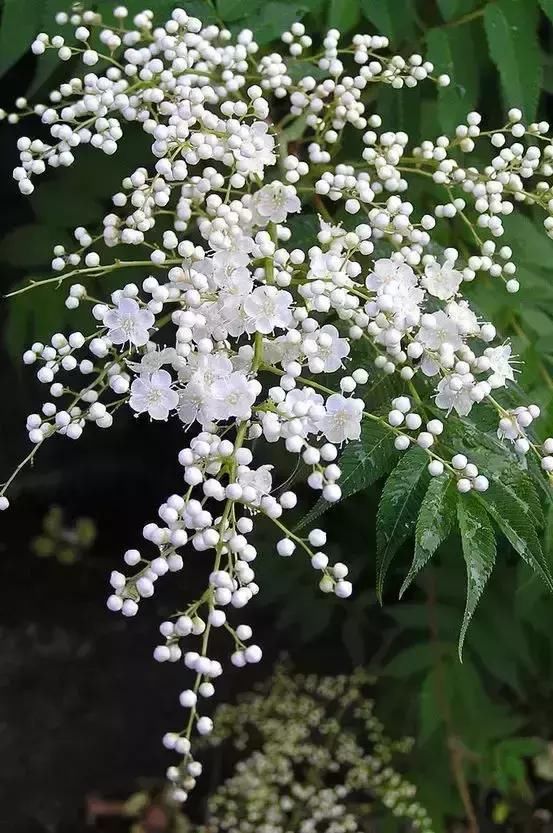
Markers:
point(318, 759)
point(289, 295)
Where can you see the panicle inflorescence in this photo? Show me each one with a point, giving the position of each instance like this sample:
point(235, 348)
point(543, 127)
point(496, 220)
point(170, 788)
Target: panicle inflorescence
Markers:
point(313, 756)
point(243, 330)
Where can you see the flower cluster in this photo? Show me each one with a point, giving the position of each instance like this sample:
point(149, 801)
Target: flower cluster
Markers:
point(240, 329)
point(317, 758)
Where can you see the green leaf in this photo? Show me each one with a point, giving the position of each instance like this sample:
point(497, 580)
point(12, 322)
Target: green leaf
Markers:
point(363, 462)
point(304, 228)
point(413, 660)
point(29, 245)
point(547, 7)
point(433, 524)
point(275, 19)
point(383, 16)
point(430, 714)
point(343, 14)
point(479, 550)
point(417, 617)
point(231, 10)
point(514, 48)
point(454, 51)
point(453, 9)
point(397, 511)
point(532, 246)
point(516, 523)
point(54, 213)
point(20, 23)
point(33, 315)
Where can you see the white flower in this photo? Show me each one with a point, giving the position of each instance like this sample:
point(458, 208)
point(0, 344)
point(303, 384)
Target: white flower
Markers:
point(274, 202)
point(342, 420)
point(304, 401)
point(331, 349)
point(386, 270)
point(438, 329)
point(129, 323)
point(267, 308)
point(233, 396)
point(401, 300)
point(442, 281)
point(204, 369)
point(153, 395)
point(259, 479)
point(191, 402)
point(509, 428)
point(454, 393)
point(324, 265)
point(154, 360)
point(281, 350)
point(463, 316)
point(256, 149)
point(499, 358)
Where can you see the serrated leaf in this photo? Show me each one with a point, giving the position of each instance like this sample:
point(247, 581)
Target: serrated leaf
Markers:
point(397, 510)
point(434, 523)
point(479, 551)
point(507, 473)
point(514, 48)
point(363, 462)
point(517, 526)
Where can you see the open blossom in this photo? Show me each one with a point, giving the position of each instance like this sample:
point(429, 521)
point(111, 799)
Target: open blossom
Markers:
point(508, 428)
point(128, 322)
point(330, 350)
point(387, 271)
point(454, 393)
point(268, 308)
point(442, 280)
point(255, 151)
point(155, 359)
point(401, 300)
point(274, 202)
point(464, 318)
point(438, 329)
point(343, 418)
point(260, 480)
point(154, 395)
point(191, 403)
point(500, 358)
point(233, 396)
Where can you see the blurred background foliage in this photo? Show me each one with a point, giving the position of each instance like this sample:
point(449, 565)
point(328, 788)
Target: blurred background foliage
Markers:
point(482, 727)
